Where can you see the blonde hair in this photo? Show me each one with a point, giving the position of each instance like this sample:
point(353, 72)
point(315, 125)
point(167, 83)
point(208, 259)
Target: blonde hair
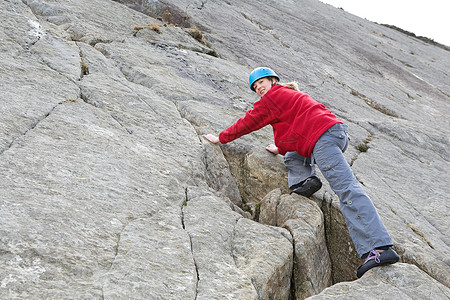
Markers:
point(292, 85)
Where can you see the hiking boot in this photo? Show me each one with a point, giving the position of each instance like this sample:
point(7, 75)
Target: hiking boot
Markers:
point(307, 187)
point(377, 258)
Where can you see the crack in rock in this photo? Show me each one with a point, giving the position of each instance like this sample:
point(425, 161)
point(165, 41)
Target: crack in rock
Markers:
point(118, 120)
point(184, 204)
point(83, 65)
point(362, 148)
point(33, 126)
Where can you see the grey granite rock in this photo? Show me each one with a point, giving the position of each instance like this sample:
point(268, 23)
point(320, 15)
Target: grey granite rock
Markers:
point(304, 220)
point(236, 258)
point(399, 281)
point(108, 190)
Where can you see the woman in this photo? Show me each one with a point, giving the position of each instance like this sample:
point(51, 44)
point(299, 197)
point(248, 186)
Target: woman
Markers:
point(305, 132)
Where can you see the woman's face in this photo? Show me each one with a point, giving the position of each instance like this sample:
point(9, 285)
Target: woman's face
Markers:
point(262, 85)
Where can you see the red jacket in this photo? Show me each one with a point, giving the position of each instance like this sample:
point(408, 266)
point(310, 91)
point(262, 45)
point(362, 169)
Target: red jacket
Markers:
point(297, 120)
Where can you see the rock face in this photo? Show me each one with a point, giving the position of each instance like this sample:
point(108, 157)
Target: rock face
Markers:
point(236, 258)
point(109, 191)
point(390, 282)
point(304, 220)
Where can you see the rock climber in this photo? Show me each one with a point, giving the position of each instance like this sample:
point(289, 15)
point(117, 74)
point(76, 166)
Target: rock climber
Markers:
point(308, 134)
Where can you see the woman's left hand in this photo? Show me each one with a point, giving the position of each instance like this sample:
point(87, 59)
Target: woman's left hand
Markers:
point(272, 148)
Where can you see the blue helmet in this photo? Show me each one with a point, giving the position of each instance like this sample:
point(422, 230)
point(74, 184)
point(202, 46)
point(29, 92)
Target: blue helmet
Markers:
point(259, 73)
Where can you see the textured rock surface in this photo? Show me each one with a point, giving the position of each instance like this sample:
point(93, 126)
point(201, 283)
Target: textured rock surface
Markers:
point(236, 258)
point(304, 220)
point(399, 281)
point(107, 189)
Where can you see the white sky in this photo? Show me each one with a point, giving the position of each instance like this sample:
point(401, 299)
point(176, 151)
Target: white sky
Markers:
point(429, 18)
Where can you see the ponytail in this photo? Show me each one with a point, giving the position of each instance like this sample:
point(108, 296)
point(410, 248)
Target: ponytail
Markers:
point(292, 85)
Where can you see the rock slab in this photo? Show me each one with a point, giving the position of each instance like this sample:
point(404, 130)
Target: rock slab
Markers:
point(108, 190)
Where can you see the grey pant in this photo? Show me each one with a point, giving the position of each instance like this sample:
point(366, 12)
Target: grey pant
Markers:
point(365, 226)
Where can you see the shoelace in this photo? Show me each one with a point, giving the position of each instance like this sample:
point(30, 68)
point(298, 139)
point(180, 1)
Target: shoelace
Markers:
point(376, 256)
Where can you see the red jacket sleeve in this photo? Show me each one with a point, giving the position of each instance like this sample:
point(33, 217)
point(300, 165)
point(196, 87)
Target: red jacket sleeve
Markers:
point(253, 120)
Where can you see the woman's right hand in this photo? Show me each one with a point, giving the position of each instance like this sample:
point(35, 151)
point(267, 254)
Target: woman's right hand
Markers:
point(212, 138)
